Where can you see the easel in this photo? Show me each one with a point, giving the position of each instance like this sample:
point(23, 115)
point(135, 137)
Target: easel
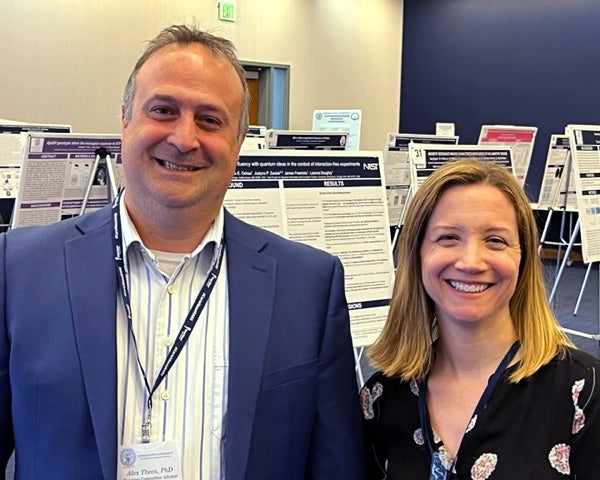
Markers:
point(101, 163)
point(568, 171)
point(563, 177)
point(398, 227)
point(562, 241)
point(593, 336)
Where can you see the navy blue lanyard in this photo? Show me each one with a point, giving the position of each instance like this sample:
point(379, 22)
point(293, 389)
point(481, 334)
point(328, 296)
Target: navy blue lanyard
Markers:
point(188, 324)
point(437, 471)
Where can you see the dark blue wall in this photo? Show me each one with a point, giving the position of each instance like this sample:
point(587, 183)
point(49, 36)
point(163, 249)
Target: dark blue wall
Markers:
point(516, 62)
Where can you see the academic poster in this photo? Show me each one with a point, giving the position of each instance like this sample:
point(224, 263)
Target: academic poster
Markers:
point(55, 172)
point(520, 138)
point(585, 155)
point(334, 201)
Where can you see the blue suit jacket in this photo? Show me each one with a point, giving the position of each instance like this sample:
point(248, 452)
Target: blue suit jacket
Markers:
point(292, 412)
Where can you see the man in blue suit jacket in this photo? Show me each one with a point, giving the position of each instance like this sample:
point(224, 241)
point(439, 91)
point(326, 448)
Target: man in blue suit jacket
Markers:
point(291, 409)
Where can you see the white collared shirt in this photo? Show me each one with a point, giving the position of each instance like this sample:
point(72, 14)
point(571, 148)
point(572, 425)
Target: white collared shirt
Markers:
point(190, 405)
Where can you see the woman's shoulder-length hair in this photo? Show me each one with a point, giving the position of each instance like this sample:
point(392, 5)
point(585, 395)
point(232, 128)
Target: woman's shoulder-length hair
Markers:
point(404, 347)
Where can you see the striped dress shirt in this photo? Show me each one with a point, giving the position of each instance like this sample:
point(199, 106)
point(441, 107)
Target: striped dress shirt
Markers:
point(190, 405)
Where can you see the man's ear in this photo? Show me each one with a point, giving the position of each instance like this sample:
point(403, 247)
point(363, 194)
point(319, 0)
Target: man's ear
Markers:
point(123, 122)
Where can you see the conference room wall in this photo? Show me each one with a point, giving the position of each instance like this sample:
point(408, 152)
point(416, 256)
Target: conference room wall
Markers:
point(518, 62)
point(66, 61)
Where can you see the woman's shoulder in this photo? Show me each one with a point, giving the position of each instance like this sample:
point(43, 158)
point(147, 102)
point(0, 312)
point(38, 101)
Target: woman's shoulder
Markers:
point(576, 370)
point(575, 363)
point(581, 359)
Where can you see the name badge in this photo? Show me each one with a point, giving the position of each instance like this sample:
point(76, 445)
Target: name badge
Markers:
point(150, 461)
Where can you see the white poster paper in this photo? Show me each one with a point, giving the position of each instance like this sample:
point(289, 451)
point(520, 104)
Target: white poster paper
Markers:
point(330, 200)
point(425, 159)
point(558, 183)
point(55, 173)
point(340, 121)
point(585, 156)
point(12, 144)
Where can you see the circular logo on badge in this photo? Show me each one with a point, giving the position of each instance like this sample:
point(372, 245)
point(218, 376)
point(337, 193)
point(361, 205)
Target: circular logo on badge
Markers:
point(127, 457)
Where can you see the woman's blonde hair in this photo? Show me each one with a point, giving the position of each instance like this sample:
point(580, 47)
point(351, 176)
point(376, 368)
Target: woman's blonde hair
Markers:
point(404, 347)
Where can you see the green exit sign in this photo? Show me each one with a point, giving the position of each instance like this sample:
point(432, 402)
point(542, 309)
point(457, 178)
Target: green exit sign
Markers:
point(227, 11)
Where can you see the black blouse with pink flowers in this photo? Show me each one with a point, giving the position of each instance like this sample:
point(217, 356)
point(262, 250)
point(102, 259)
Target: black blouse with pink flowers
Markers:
point(545, 427)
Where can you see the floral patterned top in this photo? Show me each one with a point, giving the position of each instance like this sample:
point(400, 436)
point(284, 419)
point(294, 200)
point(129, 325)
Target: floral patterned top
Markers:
point(544, 427)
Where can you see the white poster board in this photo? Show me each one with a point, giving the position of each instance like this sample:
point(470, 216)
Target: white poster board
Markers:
point(520, 138)
point(12, 143)
point(340, 121)
point(397, 168)
point(305, 140)
point(585, 156)
point(558, 183)
point(255, 138)
point(334, 201)
point(55, 173)
point(425, 159)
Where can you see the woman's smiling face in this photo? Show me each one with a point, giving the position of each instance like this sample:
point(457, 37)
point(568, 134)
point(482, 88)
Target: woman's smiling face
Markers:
point(470, 256)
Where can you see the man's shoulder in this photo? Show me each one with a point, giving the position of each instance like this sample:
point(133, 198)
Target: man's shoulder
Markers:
point(58, 231)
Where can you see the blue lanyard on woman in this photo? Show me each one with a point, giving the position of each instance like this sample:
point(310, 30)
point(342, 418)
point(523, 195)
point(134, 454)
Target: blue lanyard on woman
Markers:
point(438, 470)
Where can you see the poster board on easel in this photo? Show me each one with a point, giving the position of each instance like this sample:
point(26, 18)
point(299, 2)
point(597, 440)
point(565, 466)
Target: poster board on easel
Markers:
point(557, 191)
point(55, 172)
point(584, 142)
point(585, 154)
point(520, 138)
point(425, 159)
point(558, 183)
point(397, 168)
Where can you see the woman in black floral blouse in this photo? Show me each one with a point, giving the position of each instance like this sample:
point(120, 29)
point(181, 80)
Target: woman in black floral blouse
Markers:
point(476, 378)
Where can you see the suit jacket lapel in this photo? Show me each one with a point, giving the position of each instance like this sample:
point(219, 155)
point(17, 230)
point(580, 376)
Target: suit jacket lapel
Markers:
point(251, 283)
point(92, 287)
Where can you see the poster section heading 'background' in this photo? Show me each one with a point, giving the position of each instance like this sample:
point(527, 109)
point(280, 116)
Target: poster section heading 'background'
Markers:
point(397, 168)
point(425, 159)
point(55, 172)
point(330, 200)
point(585, 159)
point(558, 183)
point(520, 138)
point(306, 140)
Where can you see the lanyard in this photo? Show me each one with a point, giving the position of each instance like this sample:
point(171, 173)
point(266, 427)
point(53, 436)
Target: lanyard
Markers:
point(190, 319)
point(438, 470)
